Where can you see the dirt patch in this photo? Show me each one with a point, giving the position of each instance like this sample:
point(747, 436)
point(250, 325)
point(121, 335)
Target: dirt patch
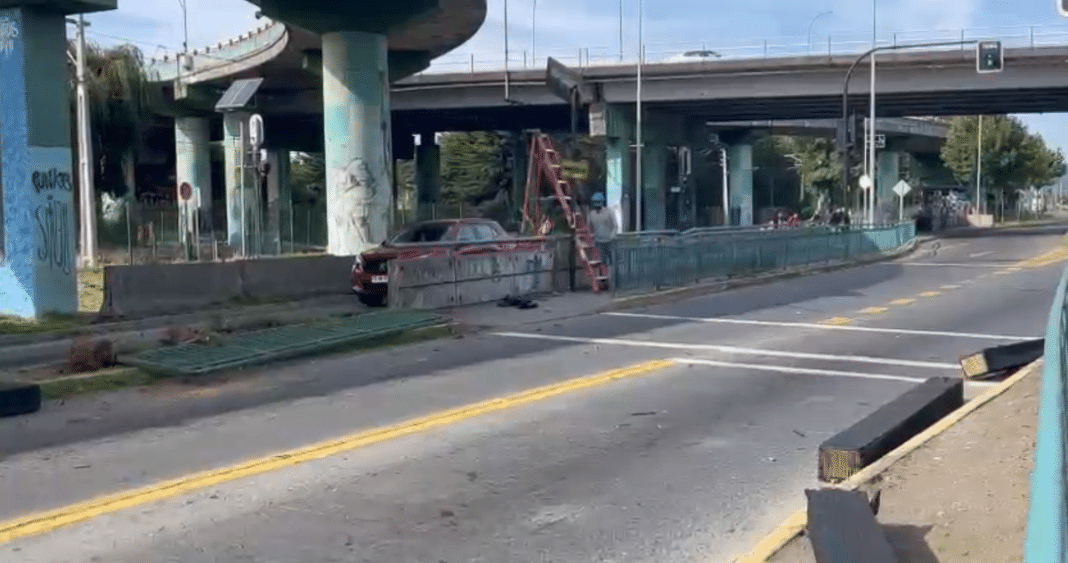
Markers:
point(90, 289)
point(961, 497)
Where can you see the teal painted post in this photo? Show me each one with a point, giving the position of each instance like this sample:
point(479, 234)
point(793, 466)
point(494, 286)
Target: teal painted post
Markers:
point(427, 175)
point(358, 141)
point(888, 172)
point(235, 143)
point(38, 274)
point(740, 162)
point(193, 166)
point(279, 201)
point(653, 202)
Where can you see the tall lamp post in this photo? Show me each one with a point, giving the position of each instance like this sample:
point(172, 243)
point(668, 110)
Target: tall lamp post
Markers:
point(813, 23)
point(534, 32)
point(639, 196)
point(869, 212)
point(86, 189)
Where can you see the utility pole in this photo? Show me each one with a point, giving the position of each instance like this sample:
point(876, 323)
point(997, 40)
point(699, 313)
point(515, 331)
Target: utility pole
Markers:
point(86, 190)
point(639, 184)
point(979, 168)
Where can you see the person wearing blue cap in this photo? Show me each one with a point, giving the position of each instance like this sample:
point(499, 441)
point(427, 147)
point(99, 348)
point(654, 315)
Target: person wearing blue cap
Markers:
point(603, 227)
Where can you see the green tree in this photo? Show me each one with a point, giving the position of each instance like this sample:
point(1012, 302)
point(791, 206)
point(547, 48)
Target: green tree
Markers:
point(118, 97)
point(472, 167)
point(819, 167)
point(307, 177)
point(1013, 158)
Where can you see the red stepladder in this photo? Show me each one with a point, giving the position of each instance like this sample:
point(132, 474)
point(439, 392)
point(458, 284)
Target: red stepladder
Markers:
point(544, 170)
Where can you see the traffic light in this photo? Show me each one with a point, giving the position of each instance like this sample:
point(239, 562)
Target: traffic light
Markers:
point(989, 57)
point(1062, 8)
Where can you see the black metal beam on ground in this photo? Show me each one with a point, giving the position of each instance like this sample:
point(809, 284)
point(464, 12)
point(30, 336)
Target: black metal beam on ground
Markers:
point(843, 529)
point(888, 427)
point(997, 359)
point(19, 398)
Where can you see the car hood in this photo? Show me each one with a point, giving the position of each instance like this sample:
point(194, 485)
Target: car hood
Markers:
point(407, 252)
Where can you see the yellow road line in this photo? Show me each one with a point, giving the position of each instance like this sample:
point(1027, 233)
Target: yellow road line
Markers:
point(874, 310)
point(778, 537)
point(905, 301)
point(54, 519)
point(837, 321)
point(931, 294)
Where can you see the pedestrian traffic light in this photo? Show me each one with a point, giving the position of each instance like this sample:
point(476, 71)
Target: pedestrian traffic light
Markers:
point(989, 56)
point(1062, 8)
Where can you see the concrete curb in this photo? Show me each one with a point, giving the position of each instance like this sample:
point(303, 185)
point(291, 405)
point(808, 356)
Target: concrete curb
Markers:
point(796, 522)
point(700, 289)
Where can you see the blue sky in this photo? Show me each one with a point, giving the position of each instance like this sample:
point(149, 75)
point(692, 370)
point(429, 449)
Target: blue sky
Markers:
point(563, 27)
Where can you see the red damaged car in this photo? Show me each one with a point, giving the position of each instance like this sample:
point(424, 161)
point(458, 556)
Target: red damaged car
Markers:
point(370, 272)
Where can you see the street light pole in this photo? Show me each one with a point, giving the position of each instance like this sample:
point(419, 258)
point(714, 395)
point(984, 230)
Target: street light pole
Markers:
point(979, 168)
point(621, 30)
point(86, 189)
point(534, 32)
point(843, 124)
point(813, 23)
point(869, 214)
point(639, 184)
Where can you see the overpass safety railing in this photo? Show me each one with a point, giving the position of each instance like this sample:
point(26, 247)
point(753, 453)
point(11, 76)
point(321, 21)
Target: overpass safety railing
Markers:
point(652, 261)
point(746, 48)
point(1047, 518)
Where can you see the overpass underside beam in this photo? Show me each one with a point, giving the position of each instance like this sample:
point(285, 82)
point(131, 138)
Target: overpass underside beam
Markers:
point(358, 140)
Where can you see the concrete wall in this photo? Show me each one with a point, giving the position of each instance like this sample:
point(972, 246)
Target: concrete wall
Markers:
point(449, 281)
point(148, 289)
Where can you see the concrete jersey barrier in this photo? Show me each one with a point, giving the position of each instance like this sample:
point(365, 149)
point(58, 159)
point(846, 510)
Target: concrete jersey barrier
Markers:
point(148, 289)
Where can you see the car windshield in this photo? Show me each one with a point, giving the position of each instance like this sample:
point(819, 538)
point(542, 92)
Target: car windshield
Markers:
point(425, 232)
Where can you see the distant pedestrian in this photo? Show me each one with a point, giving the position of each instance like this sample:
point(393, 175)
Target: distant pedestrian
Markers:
point(603, 227)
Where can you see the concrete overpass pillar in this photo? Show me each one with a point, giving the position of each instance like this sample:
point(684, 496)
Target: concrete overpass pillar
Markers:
point(427, 174)
point(740, 165)
point(239, 223)
point(192, 144)
point(654, 172)
point(358, 139)
point(619, 166)
point(38, 273)
point(279, 202)
point(520, 166)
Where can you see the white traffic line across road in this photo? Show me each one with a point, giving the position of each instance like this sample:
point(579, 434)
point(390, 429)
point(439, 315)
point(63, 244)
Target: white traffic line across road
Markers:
point(797, 370)
point(825, 326)
point(740, 350)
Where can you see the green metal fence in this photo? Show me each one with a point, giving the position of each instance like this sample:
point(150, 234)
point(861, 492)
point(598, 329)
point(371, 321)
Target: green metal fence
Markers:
point(662, 260)
point(1047, 517)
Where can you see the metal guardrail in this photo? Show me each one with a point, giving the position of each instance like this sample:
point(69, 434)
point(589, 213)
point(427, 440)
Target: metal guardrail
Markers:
point(1047, 518)
point(748, 48)
point(674, 261)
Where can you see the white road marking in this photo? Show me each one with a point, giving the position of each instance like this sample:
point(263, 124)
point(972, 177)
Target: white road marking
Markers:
point(734, 350)
point(980, 254)
point(800, 371)
point(827, 327)
point(955, 264)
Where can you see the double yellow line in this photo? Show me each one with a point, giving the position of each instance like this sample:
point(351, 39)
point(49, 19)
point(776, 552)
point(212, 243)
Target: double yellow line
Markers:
point(1045, 259)
point(54, 519)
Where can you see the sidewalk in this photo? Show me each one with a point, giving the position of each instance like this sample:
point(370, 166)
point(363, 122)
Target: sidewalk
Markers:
point(962, 497)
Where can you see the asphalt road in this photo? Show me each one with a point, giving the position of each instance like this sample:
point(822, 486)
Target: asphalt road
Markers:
point(692, 459)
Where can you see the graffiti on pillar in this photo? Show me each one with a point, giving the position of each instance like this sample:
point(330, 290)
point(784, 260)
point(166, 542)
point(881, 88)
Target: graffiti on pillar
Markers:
point(9, 32)
point(54, 219)
point(533, 270)
point(358, 187)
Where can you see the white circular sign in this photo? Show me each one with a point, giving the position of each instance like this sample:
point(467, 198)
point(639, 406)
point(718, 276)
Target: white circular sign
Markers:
point(255, 131)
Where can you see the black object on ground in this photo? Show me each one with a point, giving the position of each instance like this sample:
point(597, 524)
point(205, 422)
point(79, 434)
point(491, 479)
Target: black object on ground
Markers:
point(998, 359)
point(891, 425)
point(518, 302)
point(843, 529)
point(19, 398)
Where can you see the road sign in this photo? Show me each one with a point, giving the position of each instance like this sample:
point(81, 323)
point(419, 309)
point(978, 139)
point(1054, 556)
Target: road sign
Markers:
point(575, 169)
point(255, 132)
point(880, 141)
point(902, 188)
point(598, 125)
point(185, 191)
